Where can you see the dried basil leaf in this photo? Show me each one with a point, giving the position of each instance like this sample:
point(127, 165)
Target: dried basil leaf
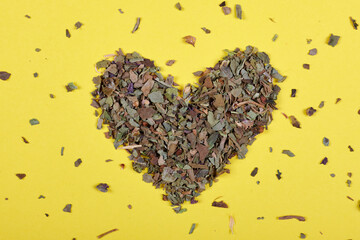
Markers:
point(102, 187)
point(220, 204)
point(312, 52)
point(78, 25)
point(4, 75)
point(21, 175)
point(321, 105)
point(78, 162)
point(238, 11)
point(326, 141)
point(306, 66)
point(294, 122)
point(71, 87)
point(67, 208)
point(190, 40)
point(288, 152)
point(178, 6)
point(34, 121)
point(275, 37)
point(333, 40)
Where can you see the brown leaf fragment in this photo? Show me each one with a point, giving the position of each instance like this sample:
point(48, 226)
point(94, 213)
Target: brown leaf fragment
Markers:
point(219, 101)
point(178, 6)
point(24, 139)
point(306, 66)
point(146, 88)
point(67, 33)
point(300, 218)
point(226, 10)
point(190, 40)
point(198, 73)
point(78, 25)
point(312, 52)
point(222, 4)
point(203, 151)
point(350, 198)
point(295, 122)
point(170, 62)
point(220, 204)
point(136, 25)
point(4, 75)
point(350, 148)
point(337, 100)
point(21, 175)
point(310, 111)
point(354, 23)
point(67, 208)
point(207, 31)
point(146, 113)
point(106, 233)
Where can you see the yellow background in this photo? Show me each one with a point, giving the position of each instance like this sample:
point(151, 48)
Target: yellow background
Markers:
point(68, 120)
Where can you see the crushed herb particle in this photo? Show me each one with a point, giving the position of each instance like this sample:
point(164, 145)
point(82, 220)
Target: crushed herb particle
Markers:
point(67, 208)
point(78, 25)
point(302, 235)
point(350, 148)
point(257, 182)
point(136, 27)
point(348, 182)
point(293, 93)
point(178, 6)
point(62, 151)
point(260, 218)
point(25, 140)
point(294, 122)
point(190, 40)
point(278, 174)
point(354, 23)
point(34, 121)
point(306, 66)
point(337, 100)
point(67, 33)
point(52, 95)
point(310, 111)
point(109, 160)
point(41, 196)
point(226, 10)
point(222, 4)
point(4, 75)
point(179, 210)
point(350, 198)
point(36, 74)
point(122, 166)
point(300, 218)
point(326, 141)
point(102, 187)
point(170, 62)
point(312, 52)
point(308, 40)
point(192, 228)
point(332, 175)
point(231, 224)
point(254, 172)
point(207, 31)
point(21, 175)
point(270, 149)
point(121, 11)
point(37, 49)
point(220, 204)
point(289, 153)
point(78, 162)
point(275, 37)
point(333, 40)
point(129, 206)
point(71, 87)
point(46, 214)
point(349, 174)
point(324, 161)
point(238, 11)
point(27, 16)
point(321, 105)
point(106, 233)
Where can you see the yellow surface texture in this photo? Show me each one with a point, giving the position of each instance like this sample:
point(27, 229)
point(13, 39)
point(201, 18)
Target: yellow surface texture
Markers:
point(68, 120)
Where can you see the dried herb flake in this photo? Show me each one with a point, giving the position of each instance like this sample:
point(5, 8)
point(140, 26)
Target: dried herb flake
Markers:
point(220, 204)
point(4, 75)
point(289, 153)
point(333, 40)
point(67, 33)
point(190, 40)
point(102, 187)
point(136, 25)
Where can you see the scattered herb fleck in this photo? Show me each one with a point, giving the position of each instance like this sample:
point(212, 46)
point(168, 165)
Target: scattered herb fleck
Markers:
point(349, 174)
point(78, 162)
point(71, 87)
point(109, 160)
point(106, 233)
point(350, 148)
point(226, 10)
point(260, 218)
point(198, 73)
point(293, 93)
point(308, 40)
point(78, 25)
point(295, 122)
point(67, 33)
point(231, 224)
point(41, 196)
point(338, 100)
point(306, 66)
point(179, 209)
point(288, 152)
point(257, 182)
point(350, 198)
point(192, 228)
point(34, 121)
point(102, 187)
point(207, 31)
point(122, 166)
point(324, 161)
point(302, 235)
point(129, 206)
point(67, 208)
point(278, 174)
point(312, 52)
point(52, 95)
point(222, 4)
point(254, 172)
point(354, 23)
point(136, 25)
point(270, 149)
point(37, 49)
point(321, 105)
point(300, 218)
point(36, 74)
point(220, 204)
point(275, 37)
point(21, 175)
point(326, 141)
point(310, 111)
point(46, 214)
point(190, 40)
point(178, 6)
point(62, 151)
point(348, 182)
point(332, 174)
point(333, 40)
point(25, 140)
point(170, 62)
point(4, 75)
point(27, 16)
point(271, 19)
point(238, 11)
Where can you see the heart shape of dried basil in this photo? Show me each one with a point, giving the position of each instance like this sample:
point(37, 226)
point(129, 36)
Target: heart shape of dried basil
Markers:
point(185, 140)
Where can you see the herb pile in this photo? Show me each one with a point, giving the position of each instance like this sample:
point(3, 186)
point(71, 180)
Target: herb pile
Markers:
point(185, 139)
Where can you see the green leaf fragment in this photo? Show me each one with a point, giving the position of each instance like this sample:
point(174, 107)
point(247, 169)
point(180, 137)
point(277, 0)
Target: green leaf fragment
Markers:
point(288, 152)
point(156, 97)
point(103, 64)
point(192, 228)
point(34, 121)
